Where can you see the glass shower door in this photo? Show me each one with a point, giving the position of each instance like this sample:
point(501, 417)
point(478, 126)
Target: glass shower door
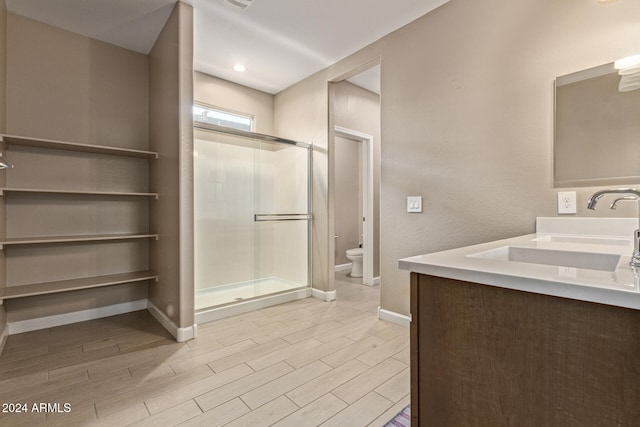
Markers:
point(282, 217)
point(252, 222)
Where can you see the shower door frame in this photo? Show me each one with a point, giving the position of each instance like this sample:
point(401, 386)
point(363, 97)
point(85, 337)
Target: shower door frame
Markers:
point(218, 312)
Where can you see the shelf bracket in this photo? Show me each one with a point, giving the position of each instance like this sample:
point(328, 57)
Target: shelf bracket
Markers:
point(3, 162)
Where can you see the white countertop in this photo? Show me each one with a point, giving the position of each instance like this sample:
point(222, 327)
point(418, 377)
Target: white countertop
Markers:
point(577, 238)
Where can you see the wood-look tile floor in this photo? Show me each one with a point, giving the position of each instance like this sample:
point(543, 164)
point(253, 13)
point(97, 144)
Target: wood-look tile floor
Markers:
point(304, 363)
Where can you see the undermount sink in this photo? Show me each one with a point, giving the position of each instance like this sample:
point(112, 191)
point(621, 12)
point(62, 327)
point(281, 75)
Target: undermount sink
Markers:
point(587, 240)
point(560, 258)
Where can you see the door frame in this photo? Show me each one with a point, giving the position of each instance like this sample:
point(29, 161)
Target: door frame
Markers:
point(368, 234)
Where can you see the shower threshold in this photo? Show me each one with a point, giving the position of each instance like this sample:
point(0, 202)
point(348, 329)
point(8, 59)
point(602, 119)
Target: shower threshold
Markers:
point(228, 300)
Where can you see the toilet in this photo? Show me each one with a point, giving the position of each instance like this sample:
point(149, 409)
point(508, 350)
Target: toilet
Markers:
point(355, 256)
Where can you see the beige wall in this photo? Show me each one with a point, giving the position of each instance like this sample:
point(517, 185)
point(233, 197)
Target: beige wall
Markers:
point(3, 66)
point(467, 105)
point(300, 113)
point(171, 134)
point(348, 197)
point(235, 98)
point(69, 87)
point(358, 109)
point(61, 85)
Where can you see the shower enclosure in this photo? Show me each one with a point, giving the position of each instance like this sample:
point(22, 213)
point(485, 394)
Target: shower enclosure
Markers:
point(252, 221)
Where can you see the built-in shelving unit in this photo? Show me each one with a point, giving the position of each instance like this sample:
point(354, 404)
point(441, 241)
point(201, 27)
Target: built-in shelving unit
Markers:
point(48, 214)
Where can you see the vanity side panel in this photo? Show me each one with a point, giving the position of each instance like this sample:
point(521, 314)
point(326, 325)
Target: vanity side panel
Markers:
point(414, 334)
point(493, 356)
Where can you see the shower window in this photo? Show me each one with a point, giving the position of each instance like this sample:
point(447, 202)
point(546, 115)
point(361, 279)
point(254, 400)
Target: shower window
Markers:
point(207, 114)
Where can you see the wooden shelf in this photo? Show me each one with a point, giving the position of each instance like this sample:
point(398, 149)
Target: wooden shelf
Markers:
point(12, 241)
point(74, 192)
point(21, 291)
point(72, 146)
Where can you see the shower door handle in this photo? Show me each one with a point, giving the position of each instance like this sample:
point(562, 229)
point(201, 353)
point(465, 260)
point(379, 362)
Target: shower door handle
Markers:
point(281, 217)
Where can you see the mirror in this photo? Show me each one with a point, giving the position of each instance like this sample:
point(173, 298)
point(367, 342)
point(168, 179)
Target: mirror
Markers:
point(597, 130)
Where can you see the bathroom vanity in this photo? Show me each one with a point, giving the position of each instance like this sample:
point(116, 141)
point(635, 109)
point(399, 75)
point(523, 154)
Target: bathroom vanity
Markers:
point(538, 330)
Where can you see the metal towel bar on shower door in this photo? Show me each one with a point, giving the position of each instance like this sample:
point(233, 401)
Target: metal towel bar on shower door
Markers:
point(281, 217)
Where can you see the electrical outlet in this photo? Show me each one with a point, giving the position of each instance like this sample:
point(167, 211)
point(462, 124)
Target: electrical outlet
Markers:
point(566, 202)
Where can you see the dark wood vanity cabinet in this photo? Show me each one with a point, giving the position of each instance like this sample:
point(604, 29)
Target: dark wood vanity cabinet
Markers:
point(488, 356)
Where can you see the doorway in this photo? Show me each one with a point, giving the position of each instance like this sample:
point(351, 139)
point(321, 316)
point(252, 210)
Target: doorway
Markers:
point(354, 198)
point(355, 121)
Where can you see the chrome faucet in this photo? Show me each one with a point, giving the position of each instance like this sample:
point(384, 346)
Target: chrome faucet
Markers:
point(593, 200)
point(614, 205)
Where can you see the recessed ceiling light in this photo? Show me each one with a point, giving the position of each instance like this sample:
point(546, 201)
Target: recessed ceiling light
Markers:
point(240, 68)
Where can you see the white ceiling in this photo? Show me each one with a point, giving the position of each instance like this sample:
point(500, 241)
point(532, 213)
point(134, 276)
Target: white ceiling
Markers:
point(279, 41)
point(132, 24)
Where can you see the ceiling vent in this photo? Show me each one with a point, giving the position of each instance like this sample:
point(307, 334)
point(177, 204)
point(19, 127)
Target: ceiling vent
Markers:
point(240, 4)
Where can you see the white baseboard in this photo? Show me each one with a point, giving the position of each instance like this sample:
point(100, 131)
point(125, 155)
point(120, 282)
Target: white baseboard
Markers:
point(375, 282)
point(180, 334)
point(4, 334)
point(342, 267)
point(397, 318)
point(323, 295)
point(38, 323)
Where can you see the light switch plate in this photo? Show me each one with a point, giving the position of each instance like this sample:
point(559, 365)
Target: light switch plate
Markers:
point(566, 202)
point(414, 204)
